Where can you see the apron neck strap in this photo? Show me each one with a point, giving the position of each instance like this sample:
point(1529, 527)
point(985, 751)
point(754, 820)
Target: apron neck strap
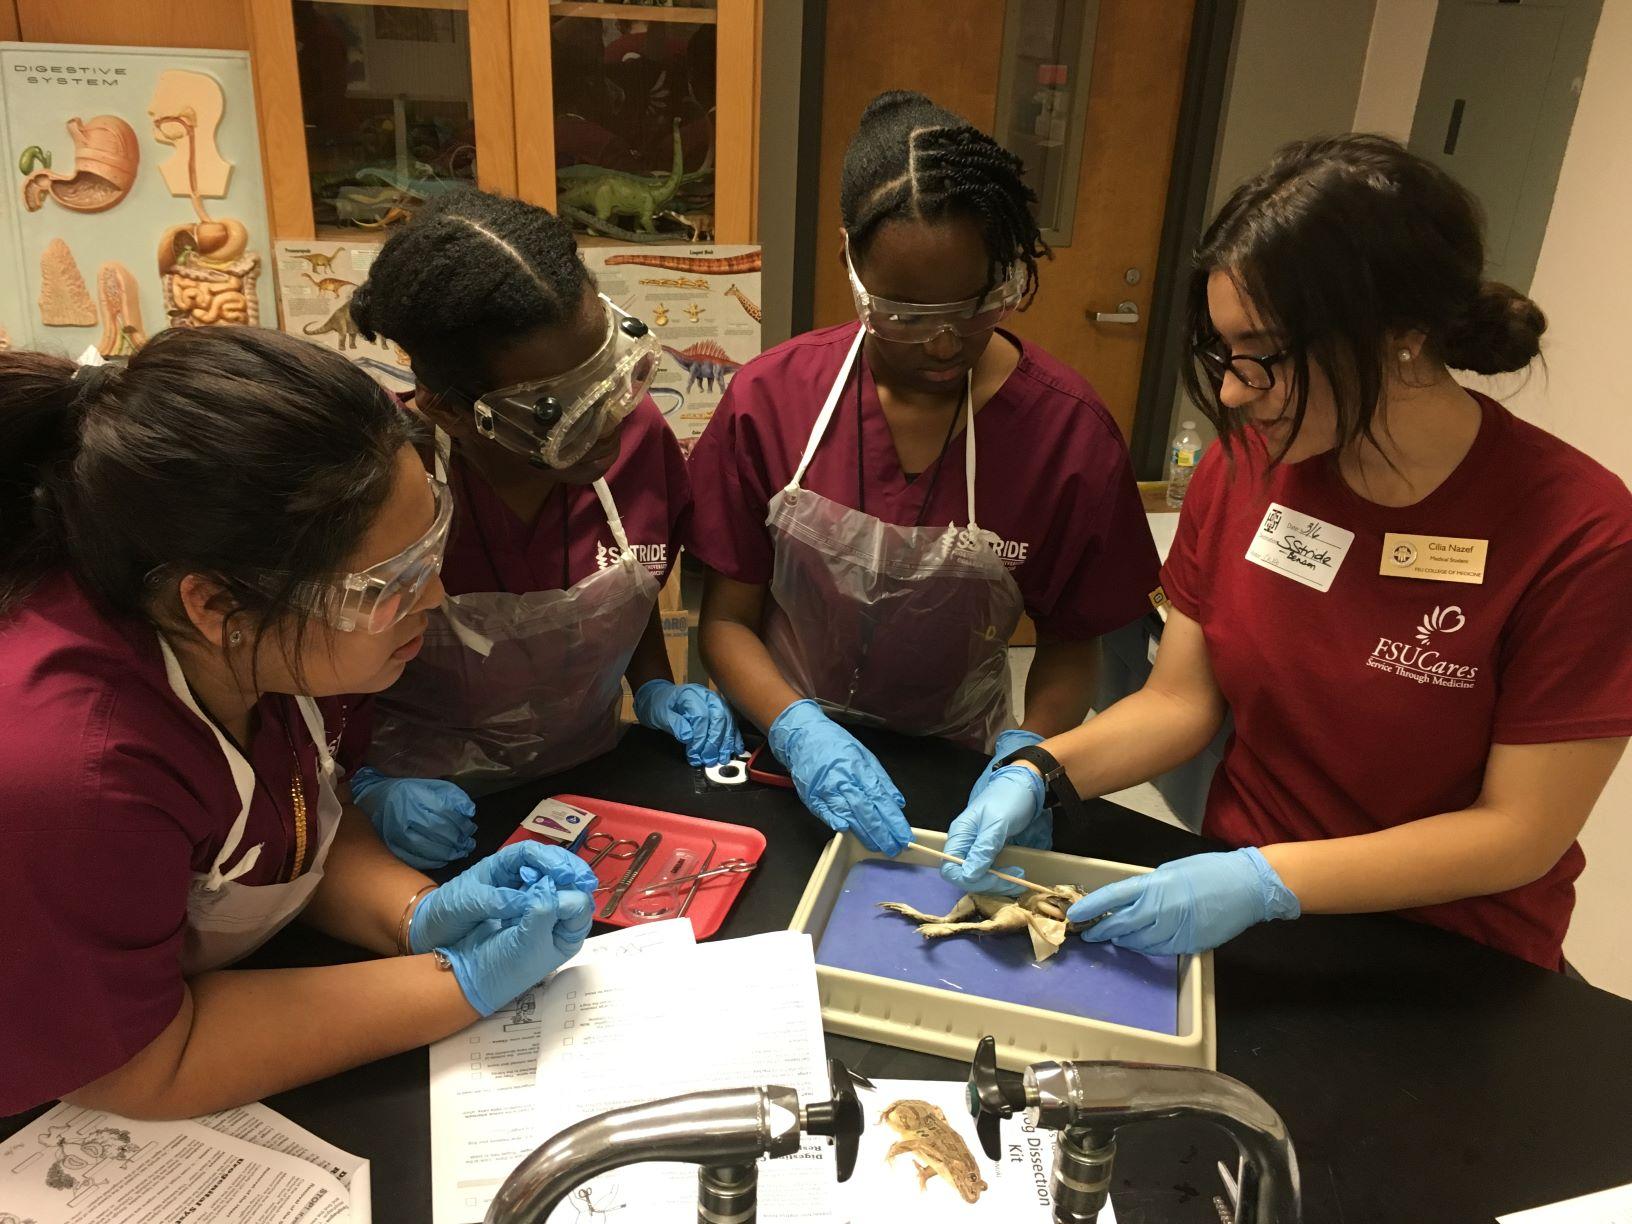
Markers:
point(243, 776)
point(604, 493)
point(442, 451)
point(969, 447)
point(826, 417)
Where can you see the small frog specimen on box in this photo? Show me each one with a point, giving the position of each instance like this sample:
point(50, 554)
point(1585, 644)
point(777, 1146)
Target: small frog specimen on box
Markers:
point(936, 1149)
point(1043, 915)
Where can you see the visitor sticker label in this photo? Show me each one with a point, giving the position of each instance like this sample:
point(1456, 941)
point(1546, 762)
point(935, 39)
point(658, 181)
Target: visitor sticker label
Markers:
point(1299, 546)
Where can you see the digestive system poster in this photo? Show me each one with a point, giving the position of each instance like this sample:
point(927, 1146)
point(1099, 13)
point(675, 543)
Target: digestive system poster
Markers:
point(702, 303)
point(133, 193)
point(315, 284)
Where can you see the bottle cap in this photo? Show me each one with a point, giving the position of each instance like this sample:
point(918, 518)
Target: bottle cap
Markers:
point(1187, 424)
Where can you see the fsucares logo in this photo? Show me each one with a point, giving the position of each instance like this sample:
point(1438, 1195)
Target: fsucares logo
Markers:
point(1440, 620)
point(1423, 665)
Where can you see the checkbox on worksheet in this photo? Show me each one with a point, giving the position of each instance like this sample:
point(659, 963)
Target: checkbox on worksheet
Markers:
point(566, 1041)
point(572, 994)
point(572, 1007)
point(568, 1024)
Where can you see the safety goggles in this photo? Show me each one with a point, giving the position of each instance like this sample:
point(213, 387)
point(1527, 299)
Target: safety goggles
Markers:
point(373, 600)
point(917, 323)
point(557, 421)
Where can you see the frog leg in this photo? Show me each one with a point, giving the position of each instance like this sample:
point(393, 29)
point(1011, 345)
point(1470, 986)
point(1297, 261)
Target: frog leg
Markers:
point(965, 908)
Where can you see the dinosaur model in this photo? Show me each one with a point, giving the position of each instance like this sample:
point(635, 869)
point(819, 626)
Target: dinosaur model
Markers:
point(609, 193)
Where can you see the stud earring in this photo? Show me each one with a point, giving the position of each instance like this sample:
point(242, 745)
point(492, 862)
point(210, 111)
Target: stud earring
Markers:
point(235, 638)
point(1405, 354)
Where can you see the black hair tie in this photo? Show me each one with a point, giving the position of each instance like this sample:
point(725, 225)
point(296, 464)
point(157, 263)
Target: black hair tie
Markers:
point(89, 380)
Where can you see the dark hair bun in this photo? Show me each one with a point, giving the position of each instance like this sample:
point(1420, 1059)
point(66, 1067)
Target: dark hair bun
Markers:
point(1500, 332)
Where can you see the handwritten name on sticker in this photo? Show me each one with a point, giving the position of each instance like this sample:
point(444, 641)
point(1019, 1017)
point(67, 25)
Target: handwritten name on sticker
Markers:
point(1308, 550)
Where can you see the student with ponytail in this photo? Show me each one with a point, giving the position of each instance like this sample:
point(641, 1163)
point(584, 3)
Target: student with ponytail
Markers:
point(199, 552)
point(860, 571)
point(1413, 602)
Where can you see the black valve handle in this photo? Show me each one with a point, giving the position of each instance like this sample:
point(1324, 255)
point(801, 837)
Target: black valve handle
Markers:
point(840, 1118)
point(990, 1100)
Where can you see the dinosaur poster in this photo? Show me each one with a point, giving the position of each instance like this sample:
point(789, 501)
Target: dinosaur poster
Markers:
point(315, 284)
point(95, 143)
point(703, 304)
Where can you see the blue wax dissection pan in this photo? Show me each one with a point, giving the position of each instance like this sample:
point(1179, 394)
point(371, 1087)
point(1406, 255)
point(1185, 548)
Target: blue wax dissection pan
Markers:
point(1095, 981)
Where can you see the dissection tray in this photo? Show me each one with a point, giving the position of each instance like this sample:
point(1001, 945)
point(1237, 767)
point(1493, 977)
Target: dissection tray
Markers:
point(881, 980)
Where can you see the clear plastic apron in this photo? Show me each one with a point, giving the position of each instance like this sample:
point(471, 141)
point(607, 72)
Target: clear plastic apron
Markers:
point(226, 920)
point(906, 627)
point(512, 687)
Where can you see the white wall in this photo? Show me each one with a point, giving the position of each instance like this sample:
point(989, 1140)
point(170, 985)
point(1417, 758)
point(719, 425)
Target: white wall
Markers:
point(1582, 282)
point(1295, 72)
point(1395, 59)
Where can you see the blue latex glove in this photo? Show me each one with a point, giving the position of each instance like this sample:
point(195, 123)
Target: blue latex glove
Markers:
point(423, 821)
point(1007, 742)
point(499, 960)
point(1188, 905)
point(695, 715)
point(1009, 811)
point(499, 887)
point(838, 780)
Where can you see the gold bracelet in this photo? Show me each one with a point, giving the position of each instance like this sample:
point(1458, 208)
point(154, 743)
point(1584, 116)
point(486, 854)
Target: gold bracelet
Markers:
point(407, 920)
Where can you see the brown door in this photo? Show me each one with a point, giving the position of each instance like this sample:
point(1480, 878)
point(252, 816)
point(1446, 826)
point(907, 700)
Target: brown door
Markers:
point(1120, 140)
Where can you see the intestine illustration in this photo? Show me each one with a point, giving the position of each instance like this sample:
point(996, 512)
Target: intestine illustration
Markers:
point(208, 270)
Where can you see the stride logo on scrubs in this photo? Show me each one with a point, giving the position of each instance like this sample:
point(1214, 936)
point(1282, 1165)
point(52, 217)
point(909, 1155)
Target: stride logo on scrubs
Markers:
point(654, 557)
point(1011, 552)
point(1423, 664)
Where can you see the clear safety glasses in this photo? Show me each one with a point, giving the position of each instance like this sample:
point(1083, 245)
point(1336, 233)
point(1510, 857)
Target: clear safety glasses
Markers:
point(373, 600)
point(557, 421)
point(917, 323)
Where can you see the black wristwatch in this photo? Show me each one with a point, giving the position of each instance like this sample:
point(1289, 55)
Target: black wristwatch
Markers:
point(1063, 797)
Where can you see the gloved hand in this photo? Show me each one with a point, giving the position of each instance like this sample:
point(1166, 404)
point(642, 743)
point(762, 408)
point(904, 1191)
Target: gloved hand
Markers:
point(838, 780)
point(1188, 905)
point(423, 821)
point(695, 715)
point(499, 887)
point(1009, 811)
point(498, 960)
point(1008, 742)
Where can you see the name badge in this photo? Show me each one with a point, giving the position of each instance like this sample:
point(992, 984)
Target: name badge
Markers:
point(1299, 547)
point(1433, 558)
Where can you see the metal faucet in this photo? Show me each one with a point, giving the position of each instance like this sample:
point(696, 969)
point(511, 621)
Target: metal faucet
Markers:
point(725, 1131)
point(1088, 1101)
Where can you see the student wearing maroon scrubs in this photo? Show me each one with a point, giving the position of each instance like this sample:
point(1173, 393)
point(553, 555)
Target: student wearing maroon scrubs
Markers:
point(200, 550)
point(572, 498)
point(1413, 602)
point(861, 568)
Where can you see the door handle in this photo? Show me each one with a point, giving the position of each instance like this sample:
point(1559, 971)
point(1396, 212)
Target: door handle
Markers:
point(1125, 312)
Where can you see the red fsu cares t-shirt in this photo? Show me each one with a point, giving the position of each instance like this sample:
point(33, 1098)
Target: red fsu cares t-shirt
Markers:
point(1376, 701)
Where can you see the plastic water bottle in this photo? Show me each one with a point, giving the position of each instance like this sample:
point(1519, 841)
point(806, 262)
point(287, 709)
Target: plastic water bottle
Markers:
point(1183, 454)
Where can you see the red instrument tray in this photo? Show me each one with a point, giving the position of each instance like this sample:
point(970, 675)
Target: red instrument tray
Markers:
point(693, 834)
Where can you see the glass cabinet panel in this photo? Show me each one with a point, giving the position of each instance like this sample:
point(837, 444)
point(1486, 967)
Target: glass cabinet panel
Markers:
point(634, 104)
point(1042, 101)
point(386, 90)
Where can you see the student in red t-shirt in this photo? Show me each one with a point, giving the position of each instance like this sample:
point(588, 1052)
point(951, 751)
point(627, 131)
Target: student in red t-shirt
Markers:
point(1413, 602)
point(572, 497)
point(860, 572)
point(201, 549)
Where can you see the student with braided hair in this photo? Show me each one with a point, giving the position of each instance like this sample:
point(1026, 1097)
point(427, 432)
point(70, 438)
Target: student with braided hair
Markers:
point(859, 570)
point(571, 496)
